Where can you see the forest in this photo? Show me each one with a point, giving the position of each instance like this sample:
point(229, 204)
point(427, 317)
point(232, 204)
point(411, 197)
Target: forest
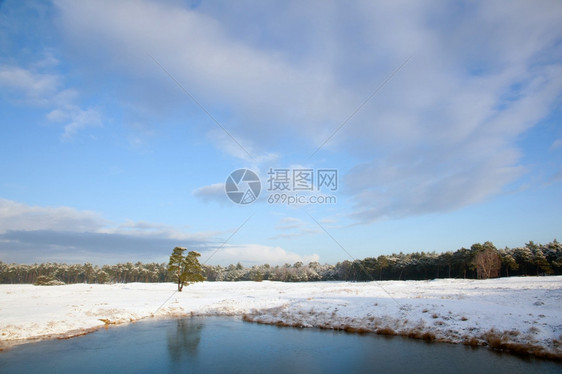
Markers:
point(480, 261)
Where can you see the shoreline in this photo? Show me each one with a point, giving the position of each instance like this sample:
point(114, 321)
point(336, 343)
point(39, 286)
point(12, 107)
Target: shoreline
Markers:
point(519, 315)
point(489, 341)
point(492, 340)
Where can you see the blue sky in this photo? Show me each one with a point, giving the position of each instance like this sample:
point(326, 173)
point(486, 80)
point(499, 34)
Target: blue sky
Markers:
point(121, 121)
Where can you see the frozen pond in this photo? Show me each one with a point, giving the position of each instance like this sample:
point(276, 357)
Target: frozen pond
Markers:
point(214, 344)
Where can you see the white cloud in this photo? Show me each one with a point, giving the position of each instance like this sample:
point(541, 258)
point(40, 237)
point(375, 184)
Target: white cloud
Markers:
point(34, 233)
point(149, 229)
point(16, 216)
point(213, 192)
point(81, 119)
point(48, 61)
point(292, 227)
point(288, 223)
point(35, 88)
point(442, 134)
point(37, 233)
point(75, 119)
point(241, 148)
point(44, 89)
point(261, 87)
point(254, 254)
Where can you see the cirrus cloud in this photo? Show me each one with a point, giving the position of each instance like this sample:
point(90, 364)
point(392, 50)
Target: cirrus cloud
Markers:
point(441, 135)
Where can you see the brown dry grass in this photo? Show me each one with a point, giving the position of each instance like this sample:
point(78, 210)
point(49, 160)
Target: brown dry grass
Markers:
point(419, 334)
point(385, 331)
point(533, 329)
point(496, 340)
point(500, 342)
point(471, 341)
point(355, 330)
point(428, 336)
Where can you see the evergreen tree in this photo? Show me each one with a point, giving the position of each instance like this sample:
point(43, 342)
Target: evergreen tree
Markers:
point(508, 262)
point(185, 269)
point(541, 262)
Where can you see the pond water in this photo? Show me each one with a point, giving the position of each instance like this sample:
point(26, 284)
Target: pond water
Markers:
point(213, 344)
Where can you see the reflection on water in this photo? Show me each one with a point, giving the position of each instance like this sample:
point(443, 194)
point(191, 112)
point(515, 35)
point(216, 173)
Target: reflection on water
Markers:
point(183, 338)
point(228, 345)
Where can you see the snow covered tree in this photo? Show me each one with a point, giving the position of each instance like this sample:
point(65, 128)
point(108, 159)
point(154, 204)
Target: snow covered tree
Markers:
point(508, 261)
point(554, 256)
point(524, 258)
point(541, 262)
point(256, 274)
point(382, 263)
point(462, 258)
point(185, 269)
point(446, 259)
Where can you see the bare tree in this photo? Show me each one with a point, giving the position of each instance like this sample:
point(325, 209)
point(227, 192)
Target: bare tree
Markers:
point(488, 264)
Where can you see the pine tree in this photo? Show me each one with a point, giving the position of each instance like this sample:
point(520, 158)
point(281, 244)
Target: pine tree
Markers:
point(541, 262)
point(508, 261)
point(185, 269)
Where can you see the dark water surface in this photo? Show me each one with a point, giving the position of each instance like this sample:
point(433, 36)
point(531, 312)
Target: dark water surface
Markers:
point(228, 345)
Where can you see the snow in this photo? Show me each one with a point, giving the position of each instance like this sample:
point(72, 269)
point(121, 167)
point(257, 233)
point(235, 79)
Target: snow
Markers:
point(500, 312)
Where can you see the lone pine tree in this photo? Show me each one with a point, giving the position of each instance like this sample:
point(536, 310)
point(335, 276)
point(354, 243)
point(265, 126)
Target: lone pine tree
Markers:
point(185, 269)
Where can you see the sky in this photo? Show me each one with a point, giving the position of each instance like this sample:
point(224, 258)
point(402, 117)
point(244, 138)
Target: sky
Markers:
point(370, 127)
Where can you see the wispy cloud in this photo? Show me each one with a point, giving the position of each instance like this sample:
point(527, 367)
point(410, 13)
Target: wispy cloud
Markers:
point(242, 150)
point(213, 192)
point(46, 90)
point(75, 119)
point(27, 86)
point(150, 229)
point(264, 92)
point(15, 216)
point(440, 136)
point(556, 144)
point(291, 227)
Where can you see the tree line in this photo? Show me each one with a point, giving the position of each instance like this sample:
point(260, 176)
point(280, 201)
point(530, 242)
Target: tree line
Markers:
point(478, 261)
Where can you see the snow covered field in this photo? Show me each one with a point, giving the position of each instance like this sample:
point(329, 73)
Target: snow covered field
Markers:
point(517, 314)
